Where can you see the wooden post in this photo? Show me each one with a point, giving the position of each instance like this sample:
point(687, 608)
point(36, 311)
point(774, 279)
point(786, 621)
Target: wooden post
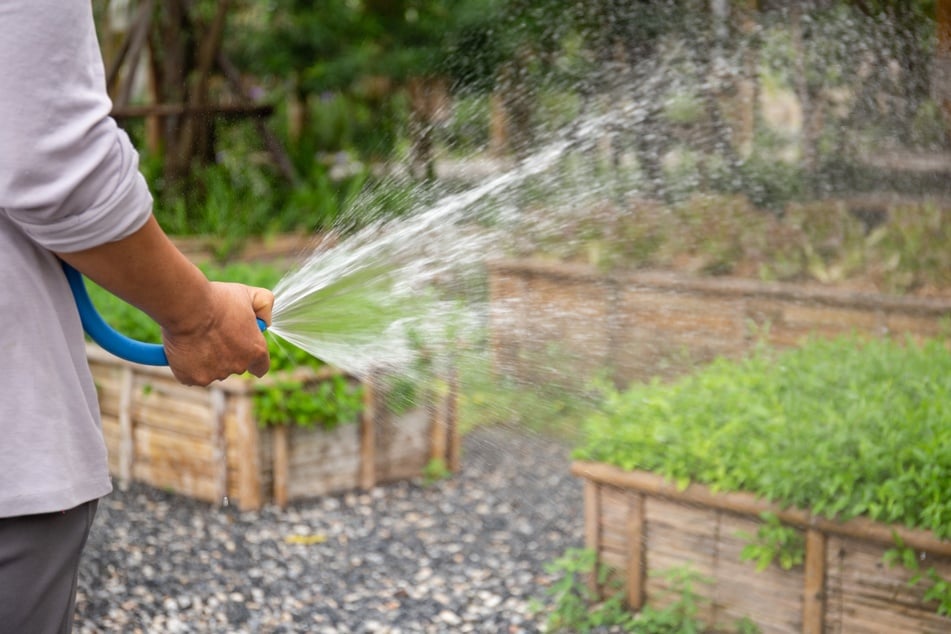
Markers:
point(592, 528)
point(437, 429)
point(281, 467)
point(941, 78)
point(126, 440)
point(367, 475)
point(636, 560)
point(454, 449)
point(249, 465)
point(814, 593)
point(271, 142)
point(216, 400)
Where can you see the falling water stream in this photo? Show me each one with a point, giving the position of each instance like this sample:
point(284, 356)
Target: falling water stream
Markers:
point(356, 299)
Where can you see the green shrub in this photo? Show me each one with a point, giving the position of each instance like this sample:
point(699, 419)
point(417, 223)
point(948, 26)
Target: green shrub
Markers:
point(843, 428)
point(576, 607)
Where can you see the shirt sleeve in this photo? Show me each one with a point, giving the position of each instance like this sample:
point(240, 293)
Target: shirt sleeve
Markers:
point(69, 177)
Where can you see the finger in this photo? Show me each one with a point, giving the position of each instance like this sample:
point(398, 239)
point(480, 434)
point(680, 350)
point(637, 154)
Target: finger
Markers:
point(262, 301)
point(260, 365)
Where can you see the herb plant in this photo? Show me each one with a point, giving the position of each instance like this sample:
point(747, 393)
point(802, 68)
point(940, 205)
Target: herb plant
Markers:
point(774, 541)
point(577, 608)
point(937, 587)
point(840, 427)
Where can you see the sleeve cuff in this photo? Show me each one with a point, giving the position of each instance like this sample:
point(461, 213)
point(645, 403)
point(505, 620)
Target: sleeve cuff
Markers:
point(120, 213)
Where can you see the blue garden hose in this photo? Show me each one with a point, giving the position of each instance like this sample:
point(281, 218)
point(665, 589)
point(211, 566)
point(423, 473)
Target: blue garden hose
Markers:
point(107, 337)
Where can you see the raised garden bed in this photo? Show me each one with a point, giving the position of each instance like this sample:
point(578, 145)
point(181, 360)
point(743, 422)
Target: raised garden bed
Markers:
point(641, 524)
point(206, 443)
point(809, 485)
point(641, 324)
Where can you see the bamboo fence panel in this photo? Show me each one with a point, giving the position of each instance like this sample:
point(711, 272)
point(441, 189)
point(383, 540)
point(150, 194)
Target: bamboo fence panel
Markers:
point(640, 524)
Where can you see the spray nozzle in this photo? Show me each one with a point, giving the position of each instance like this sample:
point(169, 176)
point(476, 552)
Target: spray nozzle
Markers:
point(107, 337)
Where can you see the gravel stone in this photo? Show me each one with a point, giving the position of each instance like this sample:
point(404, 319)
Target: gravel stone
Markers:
point(466, 554)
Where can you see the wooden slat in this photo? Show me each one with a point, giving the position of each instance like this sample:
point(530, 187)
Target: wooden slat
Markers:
point(183, 482)
point(180, 417)
point(217, 404)
point(178, 109)
point(592, 532)
point(126, 432)
point(677, 536)
point(368, 423)
point(402, 468)
point(867, 596)
point(438, 428)
point(326, 485)
point(156, 444)
point(814, 591)
point(746, 504)
point(636, 554)
point(281, 464)
point(248, 463)
point(771, 598)
point(454, 449)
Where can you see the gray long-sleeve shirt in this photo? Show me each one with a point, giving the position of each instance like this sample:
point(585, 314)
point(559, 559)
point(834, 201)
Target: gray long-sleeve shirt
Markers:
point(69, 181)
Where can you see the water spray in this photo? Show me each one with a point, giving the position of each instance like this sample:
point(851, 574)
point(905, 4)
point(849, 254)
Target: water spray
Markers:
point(356, 303)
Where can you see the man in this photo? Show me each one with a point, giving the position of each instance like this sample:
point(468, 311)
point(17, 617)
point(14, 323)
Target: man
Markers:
point(70, 188)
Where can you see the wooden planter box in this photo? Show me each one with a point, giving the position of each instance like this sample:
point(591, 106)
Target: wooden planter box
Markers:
point(642, 324)
point(639, 524)
point(205, 442)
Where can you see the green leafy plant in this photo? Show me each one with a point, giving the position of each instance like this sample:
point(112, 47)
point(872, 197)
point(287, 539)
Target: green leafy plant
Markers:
point(938, 588)
point(327, 404)
point(774, 541)
point(435, 470)
point(680, 615)
point(578, 608)
point(839, 427)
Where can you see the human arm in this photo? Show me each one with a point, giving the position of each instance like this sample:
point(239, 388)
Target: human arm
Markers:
point(69, 181)
point(209, 328)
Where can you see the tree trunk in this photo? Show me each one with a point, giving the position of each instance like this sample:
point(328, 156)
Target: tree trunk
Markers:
point(812, 115)
point(428, 101)
point(941, 79)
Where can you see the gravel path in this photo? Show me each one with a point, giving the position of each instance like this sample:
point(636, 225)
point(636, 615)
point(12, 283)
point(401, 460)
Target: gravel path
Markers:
point(463, 555)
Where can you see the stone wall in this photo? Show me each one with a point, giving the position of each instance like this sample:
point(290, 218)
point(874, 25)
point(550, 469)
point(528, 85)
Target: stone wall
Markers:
point(568, 322)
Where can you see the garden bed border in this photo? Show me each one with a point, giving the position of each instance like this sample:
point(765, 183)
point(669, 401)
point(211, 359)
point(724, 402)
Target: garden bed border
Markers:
point(817, 530)
point(236, 438)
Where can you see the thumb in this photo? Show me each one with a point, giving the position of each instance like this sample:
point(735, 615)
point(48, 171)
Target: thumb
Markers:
point(262, 302)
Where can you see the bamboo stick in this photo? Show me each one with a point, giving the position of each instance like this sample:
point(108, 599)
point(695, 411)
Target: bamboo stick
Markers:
point(126, 442)
point(217, 404)
point(279, 435)
point(592, 528)
point(249, 462)
point(437, 431)
point(454, 457)
point(747, 504)
point(367, 476)
point(814, 592)
point(636, 559)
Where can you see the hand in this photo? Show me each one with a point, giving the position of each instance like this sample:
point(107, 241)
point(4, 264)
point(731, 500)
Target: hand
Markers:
point(224, 338)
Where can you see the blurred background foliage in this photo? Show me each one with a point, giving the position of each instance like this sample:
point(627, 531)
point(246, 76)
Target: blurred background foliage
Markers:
point(278, 113)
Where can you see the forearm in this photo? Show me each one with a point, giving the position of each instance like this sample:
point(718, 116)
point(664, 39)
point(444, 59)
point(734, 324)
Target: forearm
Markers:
point(209, 328)
point(146, 270)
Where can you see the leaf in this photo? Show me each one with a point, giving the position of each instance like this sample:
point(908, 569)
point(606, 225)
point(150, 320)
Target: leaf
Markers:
point(309, 539)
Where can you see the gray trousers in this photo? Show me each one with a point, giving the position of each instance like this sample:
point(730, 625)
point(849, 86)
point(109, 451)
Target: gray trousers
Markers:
point(39, 564)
